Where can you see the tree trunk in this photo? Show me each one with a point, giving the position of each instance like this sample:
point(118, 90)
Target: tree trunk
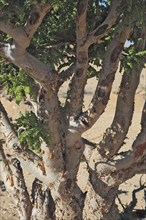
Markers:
point(101, 206)
point(68, 197)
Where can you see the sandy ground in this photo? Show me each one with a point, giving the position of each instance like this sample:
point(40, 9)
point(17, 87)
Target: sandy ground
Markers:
point(8, 208)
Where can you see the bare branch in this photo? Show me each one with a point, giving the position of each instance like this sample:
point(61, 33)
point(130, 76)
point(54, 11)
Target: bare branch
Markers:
point(89, 149)
point(76, 88)
point(9, 133)
point(133, 162)
point(66, 74)
point(103, 89)
point(23, 35)
point(115, 135)
point(36, 16)
point(103, 28)
point(17, 33)
point(138, 147)
point(134, 201)
point(81, 25)
point(122, 175)
point(34, 67)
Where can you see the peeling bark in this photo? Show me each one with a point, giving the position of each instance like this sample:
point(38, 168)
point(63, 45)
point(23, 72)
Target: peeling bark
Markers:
point(55, 192)
point(41, 202)
point(116, 133)
point(12, 175)
point(28, 159)
point(99, 203)
point(104, 86)
point(75, 93)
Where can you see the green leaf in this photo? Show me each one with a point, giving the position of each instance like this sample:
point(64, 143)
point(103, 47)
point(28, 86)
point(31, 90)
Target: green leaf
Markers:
point(33, 131)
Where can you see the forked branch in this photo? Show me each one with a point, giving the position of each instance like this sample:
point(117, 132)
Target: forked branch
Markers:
point(115, 135)
point(23, 35)
point(103, 89)
point(36, 69)
point(36, 17)
point(103, 28)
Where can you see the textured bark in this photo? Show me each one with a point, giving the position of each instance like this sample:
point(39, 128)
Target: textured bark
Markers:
point(12, 175)
point(28, 159)
point(34, 67)
point(67, 196)
point(75, 93)
point(24, 206)
point(23, 35)
point(100, 199)
point(36, 17)
point(138, 151)
point(53, 153)
point(66, 74)
point(55, 192)
point(116, 134)
point(103, 28)
point(69, 204)
point(41, 202)
point(100, 99)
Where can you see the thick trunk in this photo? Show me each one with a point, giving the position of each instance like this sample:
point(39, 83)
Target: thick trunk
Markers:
point(70, 211)
point(68, 197)
point(101, 206)
point(69, 203)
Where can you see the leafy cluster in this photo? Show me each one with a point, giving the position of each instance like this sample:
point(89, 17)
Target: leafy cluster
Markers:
point(137, 10)
point(132, 59)
point(97, 12)
point(17, 83)
point(15, 10)
point(54, 41)
point(31, 131)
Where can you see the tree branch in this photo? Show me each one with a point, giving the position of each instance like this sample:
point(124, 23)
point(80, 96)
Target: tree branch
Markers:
point(41, 200)
point(138, 147)
point(39, 71)
point(134, 201)
point(23, 35)
point(76, 88)
point(17, 33)
point(122, 175)
point(103, 28)
point(66, 74)
point(115, 135)
point(133, 162)
point(110, 64)
point(81, 24)
point(36, 17)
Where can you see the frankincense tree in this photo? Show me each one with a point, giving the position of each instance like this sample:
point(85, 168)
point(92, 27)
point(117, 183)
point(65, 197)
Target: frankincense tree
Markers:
point(44, 43)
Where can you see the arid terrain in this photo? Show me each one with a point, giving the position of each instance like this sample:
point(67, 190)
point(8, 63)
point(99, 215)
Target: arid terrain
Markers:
point(8, 210)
